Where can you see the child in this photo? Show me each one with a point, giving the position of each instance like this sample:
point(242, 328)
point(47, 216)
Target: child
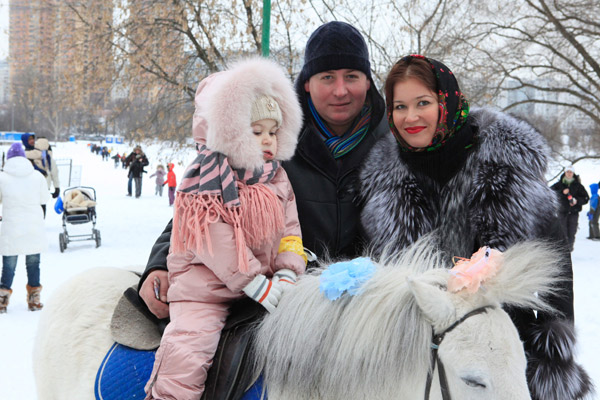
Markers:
point(117, 159)
point(235, 224)
point(171, 183)
point(594, 213)
point(160, 179)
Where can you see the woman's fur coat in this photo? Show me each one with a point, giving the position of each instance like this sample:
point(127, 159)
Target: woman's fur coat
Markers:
point(497, 197)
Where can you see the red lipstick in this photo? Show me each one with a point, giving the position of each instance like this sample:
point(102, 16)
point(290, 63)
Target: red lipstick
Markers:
point(414, 129)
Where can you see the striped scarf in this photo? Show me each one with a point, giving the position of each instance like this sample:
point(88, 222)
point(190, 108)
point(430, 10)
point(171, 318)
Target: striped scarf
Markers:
point(211, 189)
point(341, 145)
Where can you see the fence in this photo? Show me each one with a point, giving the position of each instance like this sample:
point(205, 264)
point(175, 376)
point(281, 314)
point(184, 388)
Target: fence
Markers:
point(68, 174)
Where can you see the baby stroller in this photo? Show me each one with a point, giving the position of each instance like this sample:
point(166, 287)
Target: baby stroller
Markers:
point(80, 208)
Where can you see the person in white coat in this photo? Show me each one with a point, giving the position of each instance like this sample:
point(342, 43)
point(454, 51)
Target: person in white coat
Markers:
point(22, 191)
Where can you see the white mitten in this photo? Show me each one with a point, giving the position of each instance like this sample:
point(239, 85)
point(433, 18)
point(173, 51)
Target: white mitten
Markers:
point(264, 291)
point(286, 278)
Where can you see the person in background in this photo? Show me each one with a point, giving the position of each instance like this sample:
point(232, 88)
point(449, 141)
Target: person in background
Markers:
point(245, 239)
point(117, 158)
point(47, 163)
point(39, 152)
point(470, 179)
point(171, 183)
point(160, 179)
point(22, 191)
point(594, 213)
point(137, 161)
point(31, 153)
point(571, 196)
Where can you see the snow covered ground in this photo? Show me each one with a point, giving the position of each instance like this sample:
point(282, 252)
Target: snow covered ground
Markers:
point(129, 227)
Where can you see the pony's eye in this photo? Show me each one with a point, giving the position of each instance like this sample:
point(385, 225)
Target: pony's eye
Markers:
point(474, 382)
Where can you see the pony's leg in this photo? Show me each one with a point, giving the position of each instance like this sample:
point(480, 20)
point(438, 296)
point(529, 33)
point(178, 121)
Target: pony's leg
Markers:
point(186, 350)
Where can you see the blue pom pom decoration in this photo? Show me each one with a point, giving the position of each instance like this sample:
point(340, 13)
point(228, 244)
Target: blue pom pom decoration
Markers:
point(346, 276)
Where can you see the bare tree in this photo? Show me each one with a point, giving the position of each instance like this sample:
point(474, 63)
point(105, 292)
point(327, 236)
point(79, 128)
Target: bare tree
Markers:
point(160, 50)
point(546, 54)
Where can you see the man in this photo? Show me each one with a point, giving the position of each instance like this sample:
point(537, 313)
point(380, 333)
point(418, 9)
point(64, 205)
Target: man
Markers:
point(137, 161)
point(47, 163)
point(343, 117)
point(39, 152)
point(571, 196)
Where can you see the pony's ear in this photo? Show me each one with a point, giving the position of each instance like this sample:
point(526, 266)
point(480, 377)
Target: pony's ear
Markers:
point(433, 300)
point(530, 272)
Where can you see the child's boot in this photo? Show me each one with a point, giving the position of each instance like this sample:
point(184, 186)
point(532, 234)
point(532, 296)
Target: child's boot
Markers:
point(4, 299)
point(33, 298)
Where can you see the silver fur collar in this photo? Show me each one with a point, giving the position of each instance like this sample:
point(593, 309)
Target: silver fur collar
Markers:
point(497, 198)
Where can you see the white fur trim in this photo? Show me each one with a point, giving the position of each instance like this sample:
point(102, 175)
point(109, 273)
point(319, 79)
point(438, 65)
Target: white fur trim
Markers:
point(223, 106)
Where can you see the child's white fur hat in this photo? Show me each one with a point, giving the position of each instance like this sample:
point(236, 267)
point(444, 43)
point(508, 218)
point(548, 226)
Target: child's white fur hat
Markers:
point(224, 103)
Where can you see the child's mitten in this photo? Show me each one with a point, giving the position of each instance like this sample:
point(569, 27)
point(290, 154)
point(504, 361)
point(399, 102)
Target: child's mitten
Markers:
point(286, 278)
point(264, 291)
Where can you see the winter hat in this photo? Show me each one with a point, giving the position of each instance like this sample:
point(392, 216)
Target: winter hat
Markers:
point(16, 150)
point(221, 121)
point(335, 45)
point(570, 168)
point(265, 107)
point(25, 139)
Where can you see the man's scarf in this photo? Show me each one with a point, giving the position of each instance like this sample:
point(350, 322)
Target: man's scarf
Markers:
point(211, 190)
point(341, 145)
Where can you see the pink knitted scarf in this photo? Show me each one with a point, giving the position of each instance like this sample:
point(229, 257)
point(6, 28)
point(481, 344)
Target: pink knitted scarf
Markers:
point(211, 191)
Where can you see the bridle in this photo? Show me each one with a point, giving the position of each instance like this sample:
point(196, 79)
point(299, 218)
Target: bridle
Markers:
point(436, 340)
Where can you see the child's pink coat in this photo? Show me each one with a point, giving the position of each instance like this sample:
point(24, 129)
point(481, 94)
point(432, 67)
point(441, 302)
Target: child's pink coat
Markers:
point(202, 285)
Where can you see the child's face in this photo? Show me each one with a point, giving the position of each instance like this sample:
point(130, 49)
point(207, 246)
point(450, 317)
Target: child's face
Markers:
point(265, 132)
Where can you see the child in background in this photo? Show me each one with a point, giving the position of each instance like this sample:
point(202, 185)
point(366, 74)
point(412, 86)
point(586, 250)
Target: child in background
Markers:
point(171, 183)
point(160, 179)
point(117, 159)
point(235, 225)
point(594, 213)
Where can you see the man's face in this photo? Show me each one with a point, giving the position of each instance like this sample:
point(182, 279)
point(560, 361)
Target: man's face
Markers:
point(339, 96)
point(31, 140)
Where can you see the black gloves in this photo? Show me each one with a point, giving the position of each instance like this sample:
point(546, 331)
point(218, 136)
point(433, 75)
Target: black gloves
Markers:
point(56, 193)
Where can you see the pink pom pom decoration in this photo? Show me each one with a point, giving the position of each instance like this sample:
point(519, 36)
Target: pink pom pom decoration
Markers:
point(469, 274)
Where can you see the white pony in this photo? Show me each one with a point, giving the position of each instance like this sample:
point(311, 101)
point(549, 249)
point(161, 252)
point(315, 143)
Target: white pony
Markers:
point(376, 344)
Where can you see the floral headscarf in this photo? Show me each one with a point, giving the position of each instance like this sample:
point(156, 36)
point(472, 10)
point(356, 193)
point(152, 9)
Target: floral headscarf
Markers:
point(453, 107)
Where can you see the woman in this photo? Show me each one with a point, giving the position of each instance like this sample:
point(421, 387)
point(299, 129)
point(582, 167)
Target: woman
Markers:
point(469, 179)
point(22, 191)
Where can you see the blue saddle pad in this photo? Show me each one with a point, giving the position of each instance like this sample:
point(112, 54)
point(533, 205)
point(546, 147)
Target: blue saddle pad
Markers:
point(125, 371)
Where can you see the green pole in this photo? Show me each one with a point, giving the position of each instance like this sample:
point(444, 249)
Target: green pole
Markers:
point(266, 28)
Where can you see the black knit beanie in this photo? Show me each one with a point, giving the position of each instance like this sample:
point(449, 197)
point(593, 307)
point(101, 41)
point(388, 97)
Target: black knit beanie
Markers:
point(335, 45)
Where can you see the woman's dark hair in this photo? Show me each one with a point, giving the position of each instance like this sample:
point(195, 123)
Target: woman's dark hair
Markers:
point(405, 69)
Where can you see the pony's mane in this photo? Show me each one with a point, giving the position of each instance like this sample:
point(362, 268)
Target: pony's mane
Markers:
point(312, 347)
point(377, 336)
